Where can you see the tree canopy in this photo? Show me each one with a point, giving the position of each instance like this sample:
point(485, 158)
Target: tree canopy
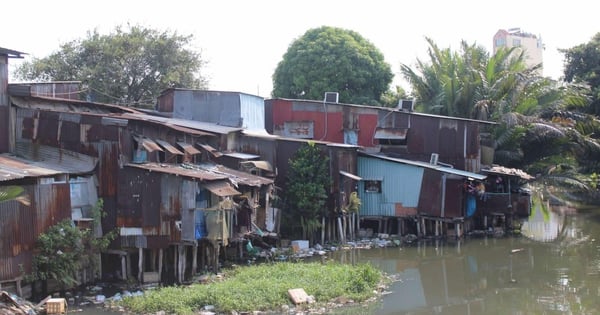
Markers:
point(582, 66)
point(330, 59)
point(129, 66)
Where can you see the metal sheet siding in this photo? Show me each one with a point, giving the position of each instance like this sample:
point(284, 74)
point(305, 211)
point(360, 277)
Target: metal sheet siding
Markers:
point(208, 106)
point(252, 110)
point(138, 200)
point(400, 184)
point(431, 194)
point(170, 205)
point(4, 133)
point(188, 203)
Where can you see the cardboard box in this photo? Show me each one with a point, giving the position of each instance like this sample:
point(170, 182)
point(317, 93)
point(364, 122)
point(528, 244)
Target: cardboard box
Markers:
point(56, 306)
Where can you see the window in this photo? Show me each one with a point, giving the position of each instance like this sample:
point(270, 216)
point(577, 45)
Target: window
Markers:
point(351, 136)
point(500, 42)
point(373, 186)
point(516, 42)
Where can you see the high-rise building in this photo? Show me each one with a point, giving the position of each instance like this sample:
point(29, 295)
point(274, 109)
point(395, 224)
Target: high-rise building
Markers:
point(514, 37)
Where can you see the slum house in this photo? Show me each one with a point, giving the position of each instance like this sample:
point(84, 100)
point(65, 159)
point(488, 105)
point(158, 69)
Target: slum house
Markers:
point(84, 126)
point(342, 168)
point(256, 150)
point(398, 132)
point(402, 196)
point(506, 200)
point(59, 185)
point(458, 143)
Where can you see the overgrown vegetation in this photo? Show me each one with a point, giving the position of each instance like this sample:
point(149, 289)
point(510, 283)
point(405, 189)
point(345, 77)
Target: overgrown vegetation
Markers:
point(65, 250)
point(263, 287)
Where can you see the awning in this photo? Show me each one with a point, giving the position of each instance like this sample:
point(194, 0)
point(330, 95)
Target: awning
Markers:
point(167, 146)
point(188, 148)
point(221, 188)
point(147, 144)
point(391, 133)
point(349, 175)
point(211, 150)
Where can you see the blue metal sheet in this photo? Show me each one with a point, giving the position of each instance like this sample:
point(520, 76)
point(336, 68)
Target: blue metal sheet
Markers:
point(400, 183)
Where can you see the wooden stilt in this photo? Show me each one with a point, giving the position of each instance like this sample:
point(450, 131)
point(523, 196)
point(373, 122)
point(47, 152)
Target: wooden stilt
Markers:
point(195, 258)
point(160, 263)
point(124, 267)
point(140, 265)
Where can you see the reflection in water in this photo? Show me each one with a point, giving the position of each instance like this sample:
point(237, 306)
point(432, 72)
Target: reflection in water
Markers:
point(554, 268)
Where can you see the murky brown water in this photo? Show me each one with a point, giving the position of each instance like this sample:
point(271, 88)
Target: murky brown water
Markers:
point(553, 268)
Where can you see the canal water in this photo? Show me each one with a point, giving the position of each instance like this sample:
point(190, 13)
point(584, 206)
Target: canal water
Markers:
point(553, 267)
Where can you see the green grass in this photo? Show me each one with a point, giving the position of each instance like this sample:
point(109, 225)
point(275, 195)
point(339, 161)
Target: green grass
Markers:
point(263, 288)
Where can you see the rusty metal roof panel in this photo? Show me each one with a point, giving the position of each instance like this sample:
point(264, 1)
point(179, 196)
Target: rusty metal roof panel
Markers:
point(188, 170)
point(12, 167)
point(147, 144)
point(189, 148)
point(210, 149)
point(65, 161)
point(169, 147)
point(221, 188)
point(240, 177)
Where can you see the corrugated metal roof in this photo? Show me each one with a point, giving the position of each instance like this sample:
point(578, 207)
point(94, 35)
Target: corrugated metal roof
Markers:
point(501, 170)
point(198, 125)
point(237, 177)
point(188, 170)
point(242, 156)
point(13, 167)
point(206, 172)
point(438, 167)
point(188, 148)
point(221, 188)
point(167, 146)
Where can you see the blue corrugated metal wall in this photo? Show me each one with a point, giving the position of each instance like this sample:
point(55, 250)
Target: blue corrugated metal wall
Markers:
point(401, 183)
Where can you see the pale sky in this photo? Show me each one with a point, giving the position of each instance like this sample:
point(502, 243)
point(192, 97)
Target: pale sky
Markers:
point(244, 40)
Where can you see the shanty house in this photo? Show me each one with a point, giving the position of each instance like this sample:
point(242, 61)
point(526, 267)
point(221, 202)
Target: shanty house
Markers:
point(402, 192)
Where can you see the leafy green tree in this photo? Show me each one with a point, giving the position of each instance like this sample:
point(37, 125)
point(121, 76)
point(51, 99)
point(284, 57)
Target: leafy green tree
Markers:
point(330, 59)
point(64, 250)
point(128, 66)
point(582, 66)
point(17, 193)
point(307, 186)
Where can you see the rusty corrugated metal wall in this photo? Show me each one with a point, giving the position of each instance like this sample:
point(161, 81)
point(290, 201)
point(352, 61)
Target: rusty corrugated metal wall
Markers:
point(430, 199)
point(21, 225)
